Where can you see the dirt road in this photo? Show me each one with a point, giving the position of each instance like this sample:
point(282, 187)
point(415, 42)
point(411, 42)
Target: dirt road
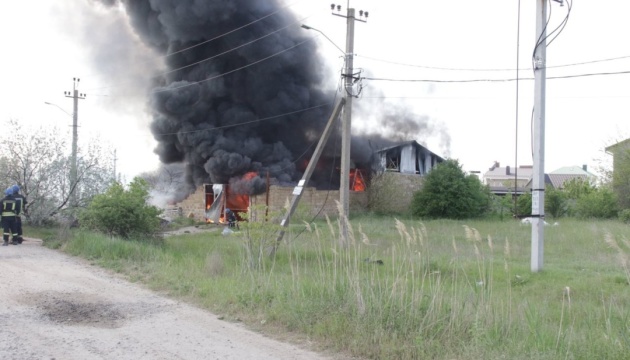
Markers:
point(58, 307)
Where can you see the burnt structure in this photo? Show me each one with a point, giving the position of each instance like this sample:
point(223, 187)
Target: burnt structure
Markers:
point(242, 93)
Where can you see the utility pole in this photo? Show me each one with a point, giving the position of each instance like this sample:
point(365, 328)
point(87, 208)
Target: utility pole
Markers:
point(346, 125)
point(538, 180)
point(297, 191)
point(75, 95)
point(115, 159)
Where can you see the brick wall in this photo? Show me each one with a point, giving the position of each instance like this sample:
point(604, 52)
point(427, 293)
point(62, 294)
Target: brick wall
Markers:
point(312, 203)
point(194, 205)
point(392, 192)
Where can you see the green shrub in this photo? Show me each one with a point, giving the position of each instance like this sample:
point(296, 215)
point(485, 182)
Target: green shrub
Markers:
point(385, 194)
point(624, 216)
point(524, 205)
point(600, 203)
point(123, 213)
point(449, 193)
point(501, 207)
point(556, 202)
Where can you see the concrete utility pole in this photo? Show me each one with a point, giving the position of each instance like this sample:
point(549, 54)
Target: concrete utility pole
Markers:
point(297, 191)
point(538, 180)
point(75, 95)
point(346, 125)
point(115, 159)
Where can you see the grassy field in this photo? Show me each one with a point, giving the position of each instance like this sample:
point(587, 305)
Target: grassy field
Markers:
point(402, 289)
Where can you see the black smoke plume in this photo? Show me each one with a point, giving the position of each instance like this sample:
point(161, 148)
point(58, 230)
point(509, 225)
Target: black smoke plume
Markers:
point(242, 93)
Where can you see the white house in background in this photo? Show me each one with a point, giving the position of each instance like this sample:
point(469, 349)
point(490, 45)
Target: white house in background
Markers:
point(501, 180)
point(557, 178)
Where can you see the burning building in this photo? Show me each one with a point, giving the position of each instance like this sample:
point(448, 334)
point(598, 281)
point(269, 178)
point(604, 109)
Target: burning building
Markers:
point(404, 164)
point(408, 158)
point(242, 101)
point(210, 201)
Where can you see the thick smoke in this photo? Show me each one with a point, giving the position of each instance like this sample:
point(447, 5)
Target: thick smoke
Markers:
point(242, 93)
point(217, 111)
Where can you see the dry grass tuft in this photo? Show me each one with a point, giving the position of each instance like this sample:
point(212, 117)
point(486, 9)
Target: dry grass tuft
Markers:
point(214, 264)
point(622, 255)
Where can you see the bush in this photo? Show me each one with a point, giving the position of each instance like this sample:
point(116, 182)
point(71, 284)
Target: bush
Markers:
point(600, 203)
point(501, 207)
point(449, 193)
point(524, 205)
point(556, 202)
point(624, 216)
point(385, 195)
point(123, 213)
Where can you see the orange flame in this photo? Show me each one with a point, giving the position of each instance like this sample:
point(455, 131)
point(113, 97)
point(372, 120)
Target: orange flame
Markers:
point(357, 180)
point(250, 175)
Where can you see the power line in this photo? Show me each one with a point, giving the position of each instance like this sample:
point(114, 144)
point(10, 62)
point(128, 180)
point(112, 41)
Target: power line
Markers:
point(430, 67)
point(231, 71)
point(230, 32)
point(225, 52)
point(376, 79)
point(499, 80)
point(492, 69)
point(563, 23)
point(216, 38)
point(489, 97)
point(246, 122)
point(589, 62)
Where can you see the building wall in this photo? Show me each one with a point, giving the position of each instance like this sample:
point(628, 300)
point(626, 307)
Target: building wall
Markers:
point(194, 205)
point(621, 172)
point(392, 192)
point(313, 203)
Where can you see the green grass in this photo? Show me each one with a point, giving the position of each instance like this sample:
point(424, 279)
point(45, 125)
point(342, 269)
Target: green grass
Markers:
point(445, 290)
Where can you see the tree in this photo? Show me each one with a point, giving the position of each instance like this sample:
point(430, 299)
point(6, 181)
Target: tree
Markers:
point(38, 161)
point(556, 203)
point(524, 205)
point(601, 203)
point(578, 187)
point(123, 212)
point(449, 193)
point(502, 206)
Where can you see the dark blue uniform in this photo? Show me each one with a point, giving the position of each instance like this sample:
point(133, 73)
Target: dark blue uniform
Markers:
point(18, 217)
point(9, 208)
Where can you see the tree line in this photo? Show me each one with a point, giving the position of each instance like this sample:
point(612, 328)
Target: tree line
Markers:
point(448, 192)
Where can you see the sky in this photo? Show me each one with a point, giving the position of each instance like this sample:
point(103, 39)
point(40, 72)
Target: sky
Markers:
point(413, 55)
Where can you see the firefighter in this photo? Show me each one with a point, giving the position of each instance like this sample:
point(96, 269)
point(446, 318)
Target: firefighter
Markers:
point(21, 199)
point(9, 209)
point(230, 216)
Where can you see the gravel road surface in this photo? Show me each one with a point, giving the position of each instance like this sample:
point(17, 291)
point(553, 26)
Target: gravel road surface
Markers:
point(55, 306)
